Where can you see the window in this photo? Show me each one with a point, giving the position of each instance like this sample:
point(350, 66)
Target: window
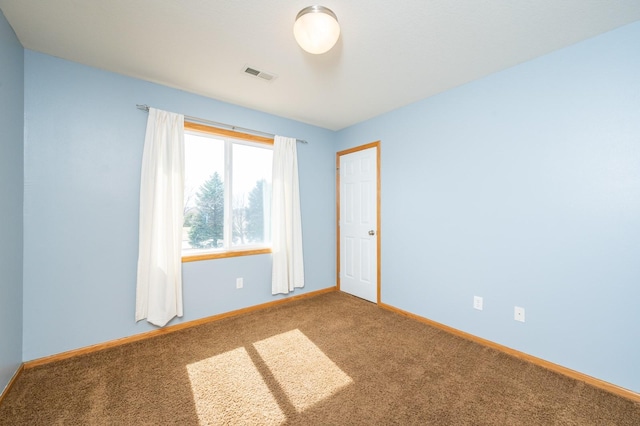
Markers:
point(227, 193)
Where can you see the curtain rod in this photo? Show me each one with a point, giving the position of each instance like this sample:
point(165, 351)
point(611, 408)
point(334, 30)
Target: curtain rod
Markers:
point(144, 107)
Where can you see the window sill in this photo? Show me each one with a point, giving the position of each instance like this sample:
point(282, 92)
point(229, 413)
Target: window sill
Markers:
point(221, 255)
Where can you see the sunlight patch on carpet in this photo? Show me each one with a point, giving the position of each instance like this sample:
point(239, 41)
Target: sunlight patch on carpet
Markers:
point(303, 371)
point(228, 386)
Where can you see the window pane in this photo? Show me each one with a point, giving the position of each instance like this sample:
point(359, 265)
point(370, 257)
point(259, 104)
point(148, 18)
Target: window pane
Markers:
point(251, 189)
point(204, 193)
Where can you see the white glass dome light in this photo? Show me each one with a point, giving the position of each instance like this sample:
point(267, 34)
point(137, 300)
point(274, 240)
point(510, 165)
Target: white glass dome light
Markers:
point(316, 29)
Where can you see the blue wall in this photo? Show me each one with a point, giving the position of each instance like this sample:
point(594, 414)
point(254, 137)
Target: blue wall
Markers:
point(11, 188)
point(523, 188)
point(83, 150)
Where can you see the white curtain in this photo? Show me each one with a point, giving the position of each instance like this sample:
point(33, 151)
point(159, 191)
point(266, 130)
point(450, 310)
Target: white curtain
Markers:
point(286, 224)
point(159, 286)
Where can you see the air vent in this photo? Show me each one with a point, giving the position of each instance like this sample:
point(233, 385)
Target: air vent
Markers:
point(257, 73)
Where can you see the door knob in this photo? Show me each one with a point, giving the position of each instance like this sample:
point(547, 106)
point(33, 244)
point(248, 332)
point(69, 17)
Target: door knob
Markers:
point(372, 232)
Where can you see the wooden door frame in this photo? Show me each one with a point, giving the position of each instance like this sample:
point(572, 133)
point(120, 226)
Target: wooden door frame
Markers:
point(339, 154)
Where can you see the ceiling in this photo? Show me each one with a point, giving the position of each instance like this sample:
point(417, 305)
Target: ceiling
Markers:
point(389, 53)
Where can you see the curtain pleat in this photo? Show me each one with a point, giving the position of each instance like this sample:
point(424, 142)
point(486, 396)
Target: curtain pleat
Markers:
point(286, 222)
point(159, 280)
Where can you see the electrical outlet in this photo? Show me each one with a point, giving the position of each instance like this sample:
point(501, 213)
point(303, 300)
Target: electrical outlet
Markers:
point(477, 302)
point(239, 282)
point(518, 314)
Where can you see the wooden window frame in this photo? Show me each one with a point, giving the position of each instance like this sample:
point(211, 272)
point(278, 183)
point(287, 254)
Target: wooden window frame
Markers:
point(203, 128)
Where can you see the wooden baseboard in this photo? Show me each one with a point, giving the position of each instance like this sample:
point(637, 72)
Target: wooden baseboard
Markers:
point(166, 330)
point(6, 390)
point(601, 384)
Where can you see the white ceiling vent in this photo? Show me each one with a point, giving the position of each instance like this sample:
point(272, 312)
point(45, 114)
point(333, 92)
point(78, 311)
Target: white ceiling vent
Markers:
point(257, 73)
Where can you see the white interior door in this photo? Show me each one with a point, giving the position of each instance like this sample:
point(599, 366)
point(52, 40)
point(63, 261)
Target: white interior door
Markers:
point(358, 224)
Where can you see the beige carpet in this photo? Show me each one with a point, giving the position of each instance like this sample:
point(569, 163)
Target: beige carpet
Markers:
point(329, 360)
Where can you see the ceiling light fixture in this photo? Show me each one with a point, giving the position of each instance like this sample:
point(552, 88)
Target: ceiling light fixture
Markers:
point(316, 29)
